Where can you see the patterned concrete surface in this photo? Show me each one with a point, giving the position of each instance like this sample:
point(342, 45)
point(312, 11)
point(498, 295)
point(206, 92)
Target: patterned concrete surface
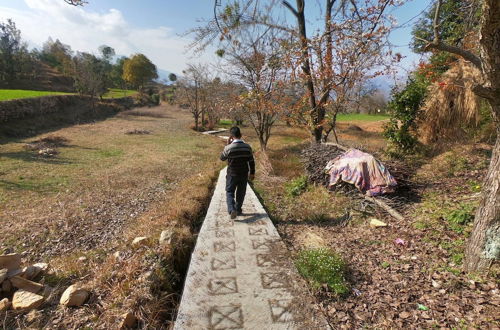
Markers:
point(240, 276)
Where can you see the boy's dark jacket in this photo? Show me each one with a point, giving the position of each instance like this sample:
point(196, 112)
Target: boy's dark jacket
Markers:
point(240, 160)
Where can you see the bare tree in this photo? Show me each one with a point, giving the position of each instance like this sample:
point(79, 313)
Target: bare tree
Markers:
point(255, 62)
point(484, 244)
point(191, 91)
point(348, 48)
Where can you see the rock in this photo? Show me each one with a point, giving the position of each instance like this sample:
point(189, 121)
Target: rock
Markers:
point(6, 286)
point(4, 304)
point(165, 237)
point(10, 261)
point(377, 223)
point(436, 284)
point(3, 274)
point(74, 295)
point(25, 300)
point(139, 241)
point(27, 285)
point(128, 321)
point(82, 259)
point(33, 271)
point(14, 272)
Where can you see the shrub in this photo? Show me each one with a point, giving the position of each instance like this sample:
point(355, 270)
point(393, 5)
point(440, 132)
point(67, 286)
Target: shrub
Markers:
point(459, 218)
point(297, 186)
point(155, 99)
point(322, 266)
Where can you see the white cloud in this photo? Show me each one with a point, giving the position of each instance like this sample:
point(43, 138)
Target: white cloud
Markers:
point(86, 31)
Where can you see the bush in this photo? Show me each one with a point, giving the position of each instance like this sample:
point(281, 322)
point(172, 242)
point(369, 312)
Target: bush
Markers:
point(297, 186)
point(155, 99)
point(459, 218)
point(322, 266)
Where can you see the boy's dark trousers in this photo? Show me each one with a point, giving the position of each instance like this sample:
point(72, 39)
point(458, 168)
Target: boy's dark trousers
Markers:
point(238, 185)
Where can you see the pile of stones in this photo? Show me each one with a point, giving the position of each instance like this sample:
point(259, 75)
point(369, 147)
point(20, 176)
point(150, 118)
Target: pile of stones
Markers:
point(22, 288)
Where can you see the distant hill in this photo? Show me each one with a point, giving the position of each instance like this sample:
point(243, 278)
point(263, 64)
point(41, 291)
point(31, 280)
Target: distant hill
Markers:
point(163, 75)
point(46, 79)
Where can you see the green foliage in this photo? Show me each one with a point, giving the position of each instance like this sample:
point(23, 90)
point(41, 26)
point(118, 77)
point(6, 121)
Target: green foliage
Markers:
point(385, 264)
point(459, 218)
point(457, 19)
point(322, 266)
point(404, 108)
point(139, 70)
point(297, 186)
point(90, 75)
point(155, 99)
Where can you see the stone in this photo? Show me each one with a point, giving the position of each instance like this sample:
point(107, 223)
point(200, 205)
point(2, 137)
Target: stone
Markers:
point(4, 304)
point(127, 321)
point(377, 223)
point(139, 241)
point(10, 261)
point(3, 274)
point(33, 271)
point(27, 285)
point(25, 300)
point(165, 237)
point(74, 295)
point(82, 259)
point(14, 272)
point(6, 286)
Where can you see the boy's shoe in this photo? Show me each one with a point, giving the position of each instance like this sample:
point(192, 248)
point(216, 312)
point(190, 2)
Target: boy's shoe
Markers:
point(234, 214)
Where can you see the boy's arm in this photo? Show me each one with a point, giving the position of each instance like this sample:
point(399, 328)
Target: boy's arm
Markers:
point(251, 163)
point(224, 154)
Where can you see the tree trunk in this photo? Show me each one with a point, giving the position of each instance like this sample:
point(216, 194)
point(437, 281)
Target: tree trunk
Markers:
point(484, 243)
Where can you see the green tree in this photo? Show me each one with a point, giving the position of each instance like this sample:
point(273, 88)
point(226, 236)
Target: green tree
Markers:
point(11, 46)
point(139, 70)
point(172, 77)
point(90, 75)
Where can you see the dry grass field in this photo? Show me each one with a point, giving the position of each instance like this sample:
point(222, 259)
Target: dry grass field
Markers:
point(99, 186)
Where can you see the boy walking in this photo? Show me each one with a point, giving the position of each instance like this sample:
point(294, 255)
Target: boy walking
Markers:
point(240, 169)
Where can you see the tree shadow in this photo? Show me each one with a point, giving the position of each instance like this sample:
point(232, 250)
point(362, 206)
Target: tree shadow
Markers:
point(30, 157)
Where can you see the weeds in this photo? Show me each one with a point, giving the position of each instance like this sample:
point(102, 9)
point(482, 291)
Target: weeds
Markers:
point(322, 266)
point(458, 219)
point(297, 186)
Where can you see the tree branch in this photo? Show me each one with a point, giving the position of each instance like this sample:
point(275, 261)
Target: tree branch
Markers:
point(440, 45)
point(290, 7)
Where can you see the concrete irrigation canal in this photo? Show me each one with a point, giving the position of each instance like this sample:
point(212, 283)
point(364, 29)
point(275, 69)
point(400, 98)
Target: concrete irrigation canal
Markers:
point(240, 276)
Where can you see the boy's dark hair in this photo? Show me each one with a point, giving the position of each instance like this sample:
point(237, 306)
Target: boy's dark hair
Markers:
point(235, 131)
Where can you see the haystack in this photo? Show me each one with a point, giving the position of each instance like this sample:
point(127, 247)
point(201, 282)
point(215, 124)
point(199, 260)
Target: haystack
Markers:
point(451, 106)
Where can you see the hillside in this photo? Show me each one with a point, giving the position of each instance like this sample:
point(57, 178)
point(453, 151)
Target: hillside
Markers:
point(45, 79)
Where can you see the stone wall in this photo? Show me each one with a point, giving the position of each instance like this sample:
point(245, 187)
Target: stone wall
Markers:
point(35, 107)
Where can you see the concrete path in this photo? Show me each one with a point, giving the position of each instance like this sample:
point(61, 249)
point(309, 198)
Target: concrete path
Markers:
point(240, 276)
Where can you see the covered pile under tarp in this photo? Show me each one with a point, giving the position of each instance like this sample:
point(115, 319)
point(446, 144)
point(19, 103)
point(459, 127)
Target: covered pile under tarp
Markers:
point(362, 170)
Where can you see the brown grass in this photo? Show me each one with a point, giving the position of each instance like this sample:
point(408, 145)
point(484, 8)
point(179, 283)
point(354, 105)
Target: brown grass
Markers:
point(452, 106)
point(100, 192)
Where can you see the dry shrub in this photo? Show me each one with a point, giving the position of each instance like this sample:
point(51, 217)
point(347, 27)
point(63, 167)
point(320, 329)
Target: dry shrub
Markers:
point(451, 106)
point(51, 141)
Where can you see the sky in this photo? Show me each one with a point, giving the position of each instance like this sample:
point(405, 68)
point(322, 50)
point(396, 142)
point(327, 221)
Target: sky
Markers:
point(156, 28)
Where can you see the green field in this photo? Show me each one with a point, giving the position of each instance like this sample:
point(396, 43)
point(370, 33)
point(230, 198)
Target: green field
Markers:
point(11, 94)
point(114, 93)
point(360, 117)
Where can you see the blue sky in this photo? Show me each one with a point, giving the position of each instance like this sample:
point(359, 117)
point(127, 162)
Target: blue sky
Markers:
point(153, 27)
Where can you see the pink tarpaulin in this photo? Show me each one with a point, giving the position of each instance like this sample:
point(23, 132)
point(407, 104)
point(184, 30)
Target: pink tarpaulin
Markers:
point(363, 171)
